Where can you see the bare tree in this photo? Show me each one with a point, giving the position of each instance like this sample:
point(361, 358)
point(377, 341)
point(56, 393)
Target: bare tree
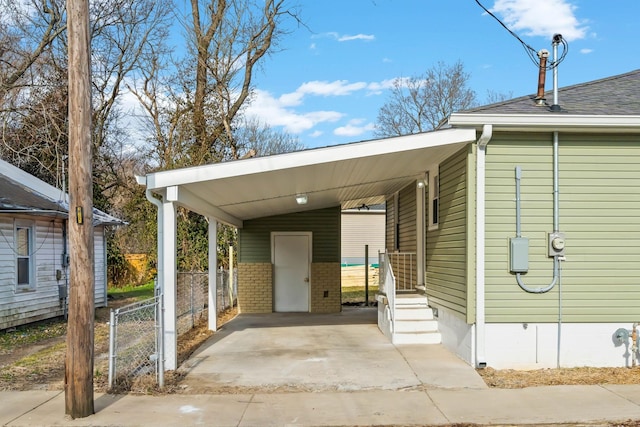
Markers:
point(255, 139)
point(28, 31)
point(123, 33)
point(420, 103)
point(494, 97)
point(193, 106)
point(229, 39)
point(33, 82)
point(33, 101)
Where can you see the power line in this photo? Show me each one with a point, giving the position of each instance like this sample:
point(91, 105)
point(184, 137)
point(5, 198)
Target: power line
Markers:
point(531, 52)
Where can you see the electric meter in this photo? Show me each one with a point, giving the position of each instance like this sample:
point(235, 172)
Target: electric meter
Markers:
point(556, 244)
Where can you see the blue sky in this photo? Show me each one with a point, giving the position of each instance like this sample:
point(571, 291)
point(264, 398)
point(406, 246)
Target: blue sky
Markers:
point(327, 82)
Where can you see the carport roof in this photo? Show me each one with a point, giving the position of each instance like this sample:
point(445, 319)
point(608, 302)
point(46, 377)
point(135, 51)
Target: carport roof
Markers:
point(346, 175)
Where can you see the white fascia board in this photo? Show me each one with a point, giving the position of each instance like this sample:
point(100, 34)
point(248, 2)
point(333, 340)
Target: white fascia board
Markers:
point(192, 202)
point(309, 157)
point(549, 122)
point(36, 184)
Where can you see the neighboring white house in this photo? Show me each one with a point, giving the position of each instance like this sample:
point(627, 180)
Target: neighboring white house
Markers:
point(360, 227)
point(34, 262)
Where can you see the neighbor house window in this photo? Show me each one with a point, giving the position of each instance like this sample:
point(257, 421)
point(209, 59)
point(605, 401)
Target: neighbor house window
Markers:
point(434, 199)
point(24, 257)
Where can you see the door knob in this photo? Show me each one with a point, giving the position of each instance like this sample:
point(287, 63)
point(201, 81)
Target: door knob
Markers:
point(306, 279)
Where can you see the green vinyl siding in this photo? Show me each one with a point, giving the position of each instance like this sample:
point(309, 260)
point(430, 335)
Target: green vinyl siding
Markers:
point(390, 225)
point(405, 266)
point(599, 201)
point(447, 246)
point(254, 238)
point(407, 218)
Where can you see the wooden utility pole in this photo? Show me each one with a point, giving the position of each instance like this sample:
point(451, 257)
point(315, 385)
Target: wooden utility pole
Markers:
point(78, 379)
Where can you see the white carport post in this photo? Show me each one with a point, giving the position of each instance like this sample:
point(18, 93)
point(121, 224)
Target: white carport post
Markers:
point(213, 274)
point(169, 279)
point(420, 232)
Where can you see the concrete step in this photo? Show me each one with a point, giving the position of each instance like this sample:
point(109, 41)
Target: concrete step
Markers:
point(417, 338)
point(414, 313)
point(417, 301)
point(417, 326)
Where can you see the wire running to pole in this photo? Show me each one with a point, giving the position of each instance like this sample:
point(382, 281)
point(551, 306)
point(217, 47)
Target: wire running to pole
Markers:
point(531, 52)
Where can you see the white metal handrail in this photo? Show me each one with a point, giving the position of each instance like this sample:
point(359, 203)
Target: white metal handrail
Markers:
point(388, 285)
point(404, 267)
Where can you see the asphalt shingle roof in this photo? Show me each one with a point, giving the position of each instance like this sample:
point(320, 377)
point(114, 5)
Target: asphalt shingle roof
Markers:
point(18, 197)
point(615, 95)
point(15, 196)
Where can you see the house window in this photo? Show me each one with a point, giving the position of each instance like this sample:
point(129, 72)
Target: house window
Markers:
point(24, 257)
point(434, 200)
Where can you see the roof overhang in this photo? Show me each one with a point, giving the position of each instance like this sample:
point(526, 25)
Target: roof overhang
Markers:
point(347, 175)
point(548, 122)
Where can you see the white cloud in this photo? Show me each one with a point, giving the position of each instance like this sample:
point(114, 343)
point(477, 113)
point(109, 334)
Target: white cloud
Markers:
point(275, 112)
point(331, 34)
point(365, 37)
point(345, 37)
point(282, 110)
point(376, 88)
point(541, 17)
point(291, 99)
point(334, 88)
point(355, 127)
point(586, 51)
point(320, 88)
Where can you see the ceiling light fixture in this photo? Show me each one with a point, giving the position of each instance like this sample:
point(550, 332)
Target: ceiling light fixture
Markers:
point(301, 199)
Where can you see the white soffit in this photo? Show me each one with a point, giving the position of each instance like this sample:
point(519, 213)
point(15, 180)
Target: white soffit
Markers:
point(346, 175)
point(548, 122)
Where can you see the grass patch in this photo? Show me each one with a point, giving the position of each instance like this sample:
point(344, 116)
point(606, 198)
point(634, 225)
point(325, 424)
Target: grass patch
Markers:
point(32, 333)
point(35, 360)
point(355, 294)
point(138, 293)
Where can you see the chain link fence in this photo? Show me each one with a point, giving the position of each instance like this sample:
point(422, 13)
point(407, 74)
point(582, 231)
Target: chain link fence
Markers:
point(192, 300)
point(135, 341)
point(193, 297)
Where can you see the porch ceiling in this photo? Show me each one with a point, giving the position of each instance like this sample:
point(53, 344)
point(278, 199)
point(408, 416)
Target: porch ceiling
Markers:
point(346, 175)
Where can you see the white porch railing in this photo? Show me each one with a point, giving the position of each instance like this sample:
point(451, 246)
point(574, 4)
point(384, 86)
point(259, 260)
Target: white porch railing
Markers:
point(387, 282)
point(404, 268)
point(386, 288)
point(404, 315)
point(397, 274)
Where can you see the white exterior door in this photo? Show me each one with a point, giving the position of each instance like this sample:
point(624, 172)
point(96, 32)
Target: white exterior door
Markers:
point(291, 254)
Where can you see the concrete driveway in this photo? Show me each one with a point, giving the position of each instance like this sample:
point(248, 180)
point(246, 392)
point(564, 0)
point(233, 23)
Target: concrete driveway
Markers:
point(319, 352)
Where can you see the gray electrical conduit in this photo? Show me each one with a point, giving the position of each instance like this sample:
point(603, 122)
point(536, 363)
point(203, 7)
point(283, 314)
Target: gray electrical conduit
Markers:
point(556, 220)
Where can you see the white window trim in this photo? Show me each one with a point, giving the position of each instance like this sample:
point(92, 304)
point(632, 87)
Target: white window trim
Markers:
point(434, 197)
point(30, 226)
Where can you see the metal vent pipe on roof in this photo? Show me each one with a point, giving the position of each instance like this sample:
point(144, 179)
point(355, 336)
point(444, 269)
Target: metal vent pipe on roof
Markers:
point(542, 76)
point(557, 39)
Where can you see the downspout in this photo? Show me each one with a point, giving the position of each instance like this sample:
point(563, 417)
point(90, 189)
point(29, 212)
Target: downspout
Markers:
point(142, 180)
point(483, 141)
